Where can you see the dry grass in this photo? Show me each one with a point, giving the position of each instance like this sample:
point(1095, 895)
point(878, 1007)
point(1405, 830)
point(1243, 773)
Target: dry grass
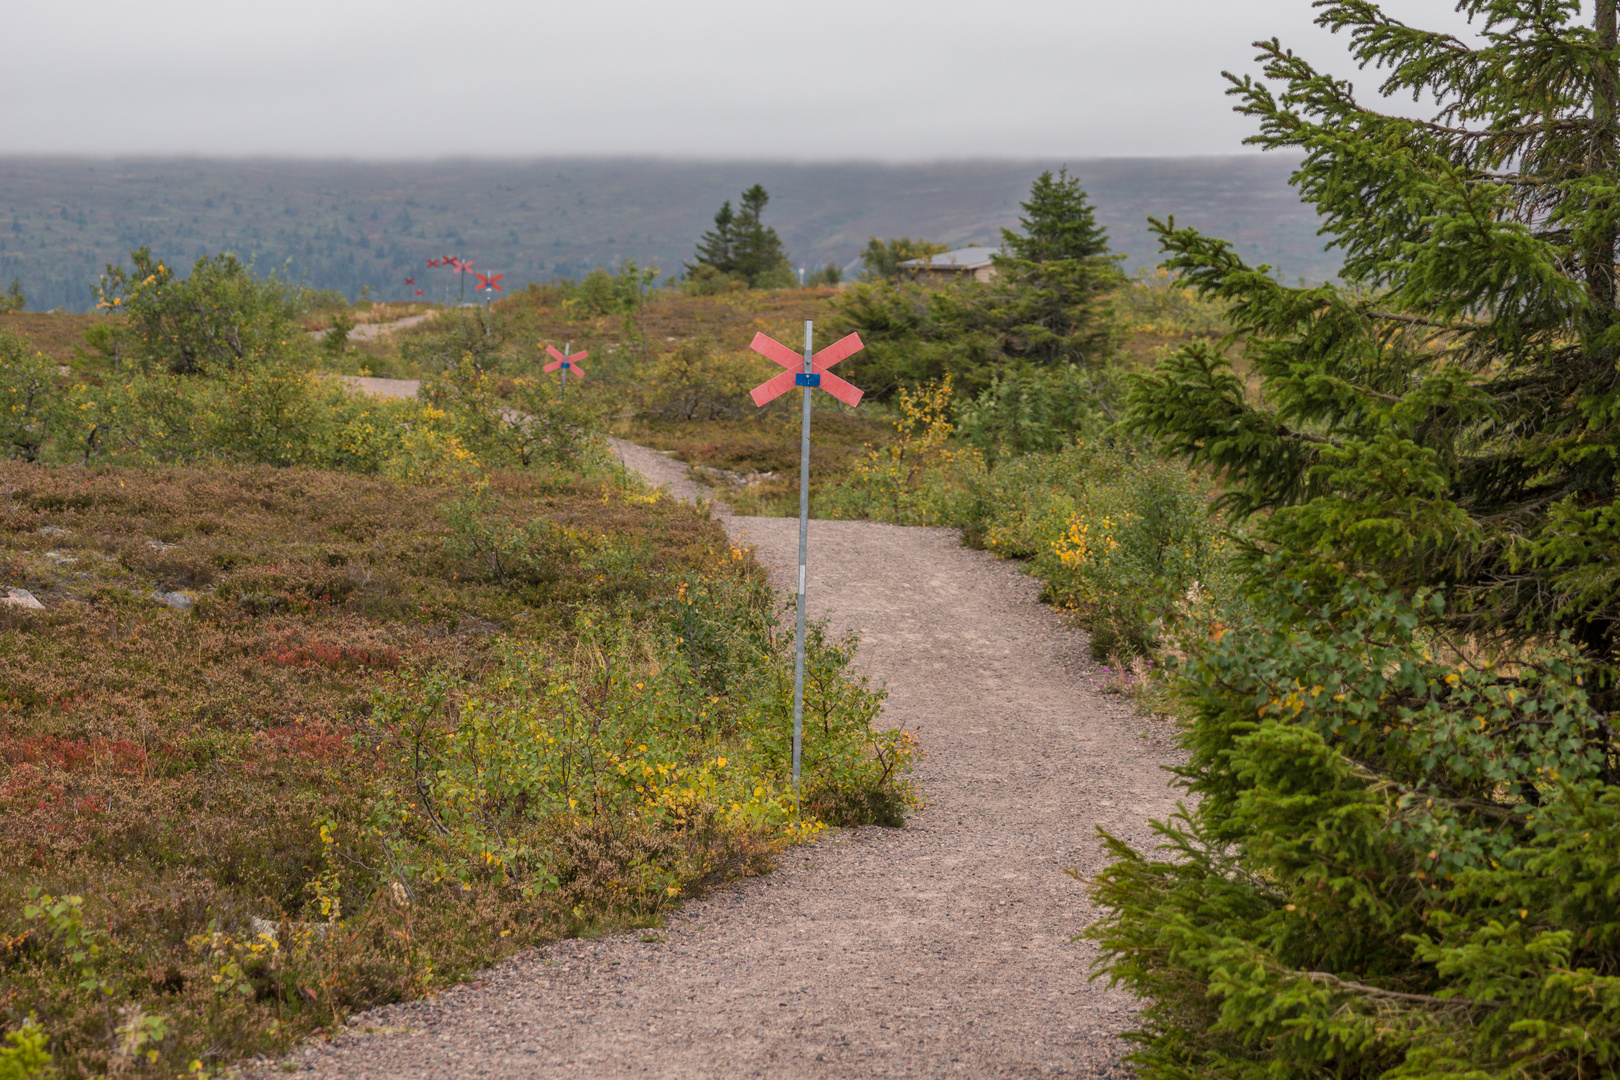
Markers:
point(59, 336)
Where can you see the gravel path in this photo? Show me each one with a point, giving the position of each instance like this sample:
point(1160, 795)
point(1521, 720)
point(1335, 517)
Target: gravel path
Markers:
point(940, 949)
point(368, 331)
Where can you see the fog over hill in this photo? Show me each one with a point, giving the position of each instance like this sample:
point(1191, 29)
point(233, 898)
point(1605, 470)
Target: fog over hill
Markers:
point(348, 225)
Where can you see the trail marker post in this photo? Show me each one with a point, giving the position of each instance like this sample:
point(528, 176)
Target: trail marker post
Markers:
point(488, 281)
point(566, 360)
point(808, 372)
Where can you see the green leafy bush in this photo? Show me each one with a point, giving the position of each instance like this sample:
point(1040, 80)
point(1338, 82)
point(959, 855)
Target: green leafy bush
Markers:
point(677, 751)
point(1038, 409)
point(1162, 303)
point(218, 318)
point(512, 422)
point(601, 293)
point(1123, 541)
point(1399, 861)
point(30, 403)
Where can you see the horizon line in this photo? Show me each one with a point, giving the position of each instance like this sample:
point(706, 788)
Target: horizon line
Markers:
point(517, 159)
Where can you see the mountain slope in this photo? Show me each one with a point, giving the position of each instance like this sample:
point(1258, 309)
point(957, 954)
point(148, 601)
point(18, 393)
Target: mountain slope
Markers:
point(347, 225)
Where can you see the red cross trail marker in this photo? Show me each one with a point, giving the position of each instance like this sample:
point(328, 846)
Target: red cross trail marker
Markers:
point(568, 361)
point(808, 371)
point(488, 281)
point(814, 365)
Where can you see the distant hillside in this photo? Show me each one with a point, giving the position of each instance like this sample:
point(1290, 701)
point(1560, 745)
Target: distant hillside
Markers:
point(346, 225)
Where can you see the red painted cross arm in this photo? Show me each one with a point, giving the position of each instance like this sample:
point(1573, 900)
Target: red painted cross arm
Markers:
point(772, 389)
point(572, 359)
point(794, 363)
point(842, 349)
point(772, 349)
point(838, 388)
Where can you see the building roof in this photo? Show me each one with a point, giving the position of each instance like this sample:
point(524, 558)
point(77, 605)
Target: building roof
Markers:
point(970, 258)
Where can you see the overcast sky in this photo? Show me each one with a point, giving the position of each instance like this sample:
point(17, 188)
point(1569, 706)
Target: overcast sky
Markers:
point(836, 79)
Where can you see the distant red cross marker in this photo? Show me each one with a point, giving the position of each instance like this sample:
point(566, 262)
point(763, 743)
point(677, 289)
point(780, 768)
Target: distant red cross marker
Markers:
point(567, 361)
point(410, 281)
point(488, 281)
point(795, 375)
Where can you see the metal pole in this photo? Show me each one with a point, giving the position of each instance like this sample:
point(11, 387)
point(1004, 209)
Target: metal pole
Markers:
point(568, 350)
point(804, 550)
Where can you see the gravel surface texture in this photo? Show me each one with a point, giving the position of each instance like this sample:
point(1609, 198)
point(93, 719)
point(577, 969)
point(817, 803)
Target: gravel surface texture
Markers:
point(939, 949)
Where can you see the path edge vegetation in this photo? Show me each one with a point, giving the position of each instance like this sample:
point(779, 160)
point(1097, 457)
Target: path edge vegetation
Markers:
point(474, 689)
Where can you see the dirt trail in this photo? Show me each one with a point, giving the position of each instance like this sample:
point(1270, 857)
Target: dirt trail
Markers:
point(367, 331)
point(940, 949)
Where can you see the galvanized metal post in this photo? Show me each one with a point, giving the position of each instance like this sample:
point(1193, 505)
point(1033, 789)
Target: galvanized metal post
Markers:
point(804, 550)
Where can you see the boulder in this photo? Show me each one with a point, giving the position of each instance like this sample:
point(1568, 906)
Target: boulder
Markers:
point(21, 598)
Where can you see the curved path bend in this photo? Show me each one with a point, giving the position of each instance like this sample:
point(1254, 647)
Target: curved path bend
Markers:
point(940, 949)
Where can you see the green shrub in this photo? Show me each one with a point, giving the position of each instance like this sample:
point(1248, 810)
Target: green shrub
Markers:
point(697, 381)
point(1123, 541)
point(31, 405)
point(13, 299)
point(831, 274)
point(635, 740)
point(1399, 861)
point(918, 478)
point(512, 422)
point(1159, 302)
point(336, 338)
point(218, 318)
point(1038, 409)
point(601, 293)
point(26, 1054)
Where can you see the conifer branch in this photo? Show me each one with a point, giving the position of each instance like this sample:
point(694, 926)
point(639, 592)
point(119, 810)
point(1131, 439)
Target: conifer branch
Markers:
point(1458, 1004)
point(1413, 320)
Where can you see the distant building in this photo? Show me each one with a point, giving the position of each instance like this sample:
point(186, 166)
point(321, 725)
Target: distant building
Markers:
point(959, 265)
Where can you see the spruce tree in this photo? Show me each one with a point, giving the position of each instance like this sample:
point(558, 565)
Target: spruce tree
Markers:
point(1452, 417)
point(1399, 855)
point(742, 246)
point(1061, 222)
point(759, 254)
point(1043, 315)
point(1047, 302)
point(717, 247)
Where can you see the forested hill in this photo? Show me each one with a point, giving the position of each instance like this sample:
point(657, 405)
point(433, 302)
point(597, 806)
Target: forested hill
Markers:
point(346, 225)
